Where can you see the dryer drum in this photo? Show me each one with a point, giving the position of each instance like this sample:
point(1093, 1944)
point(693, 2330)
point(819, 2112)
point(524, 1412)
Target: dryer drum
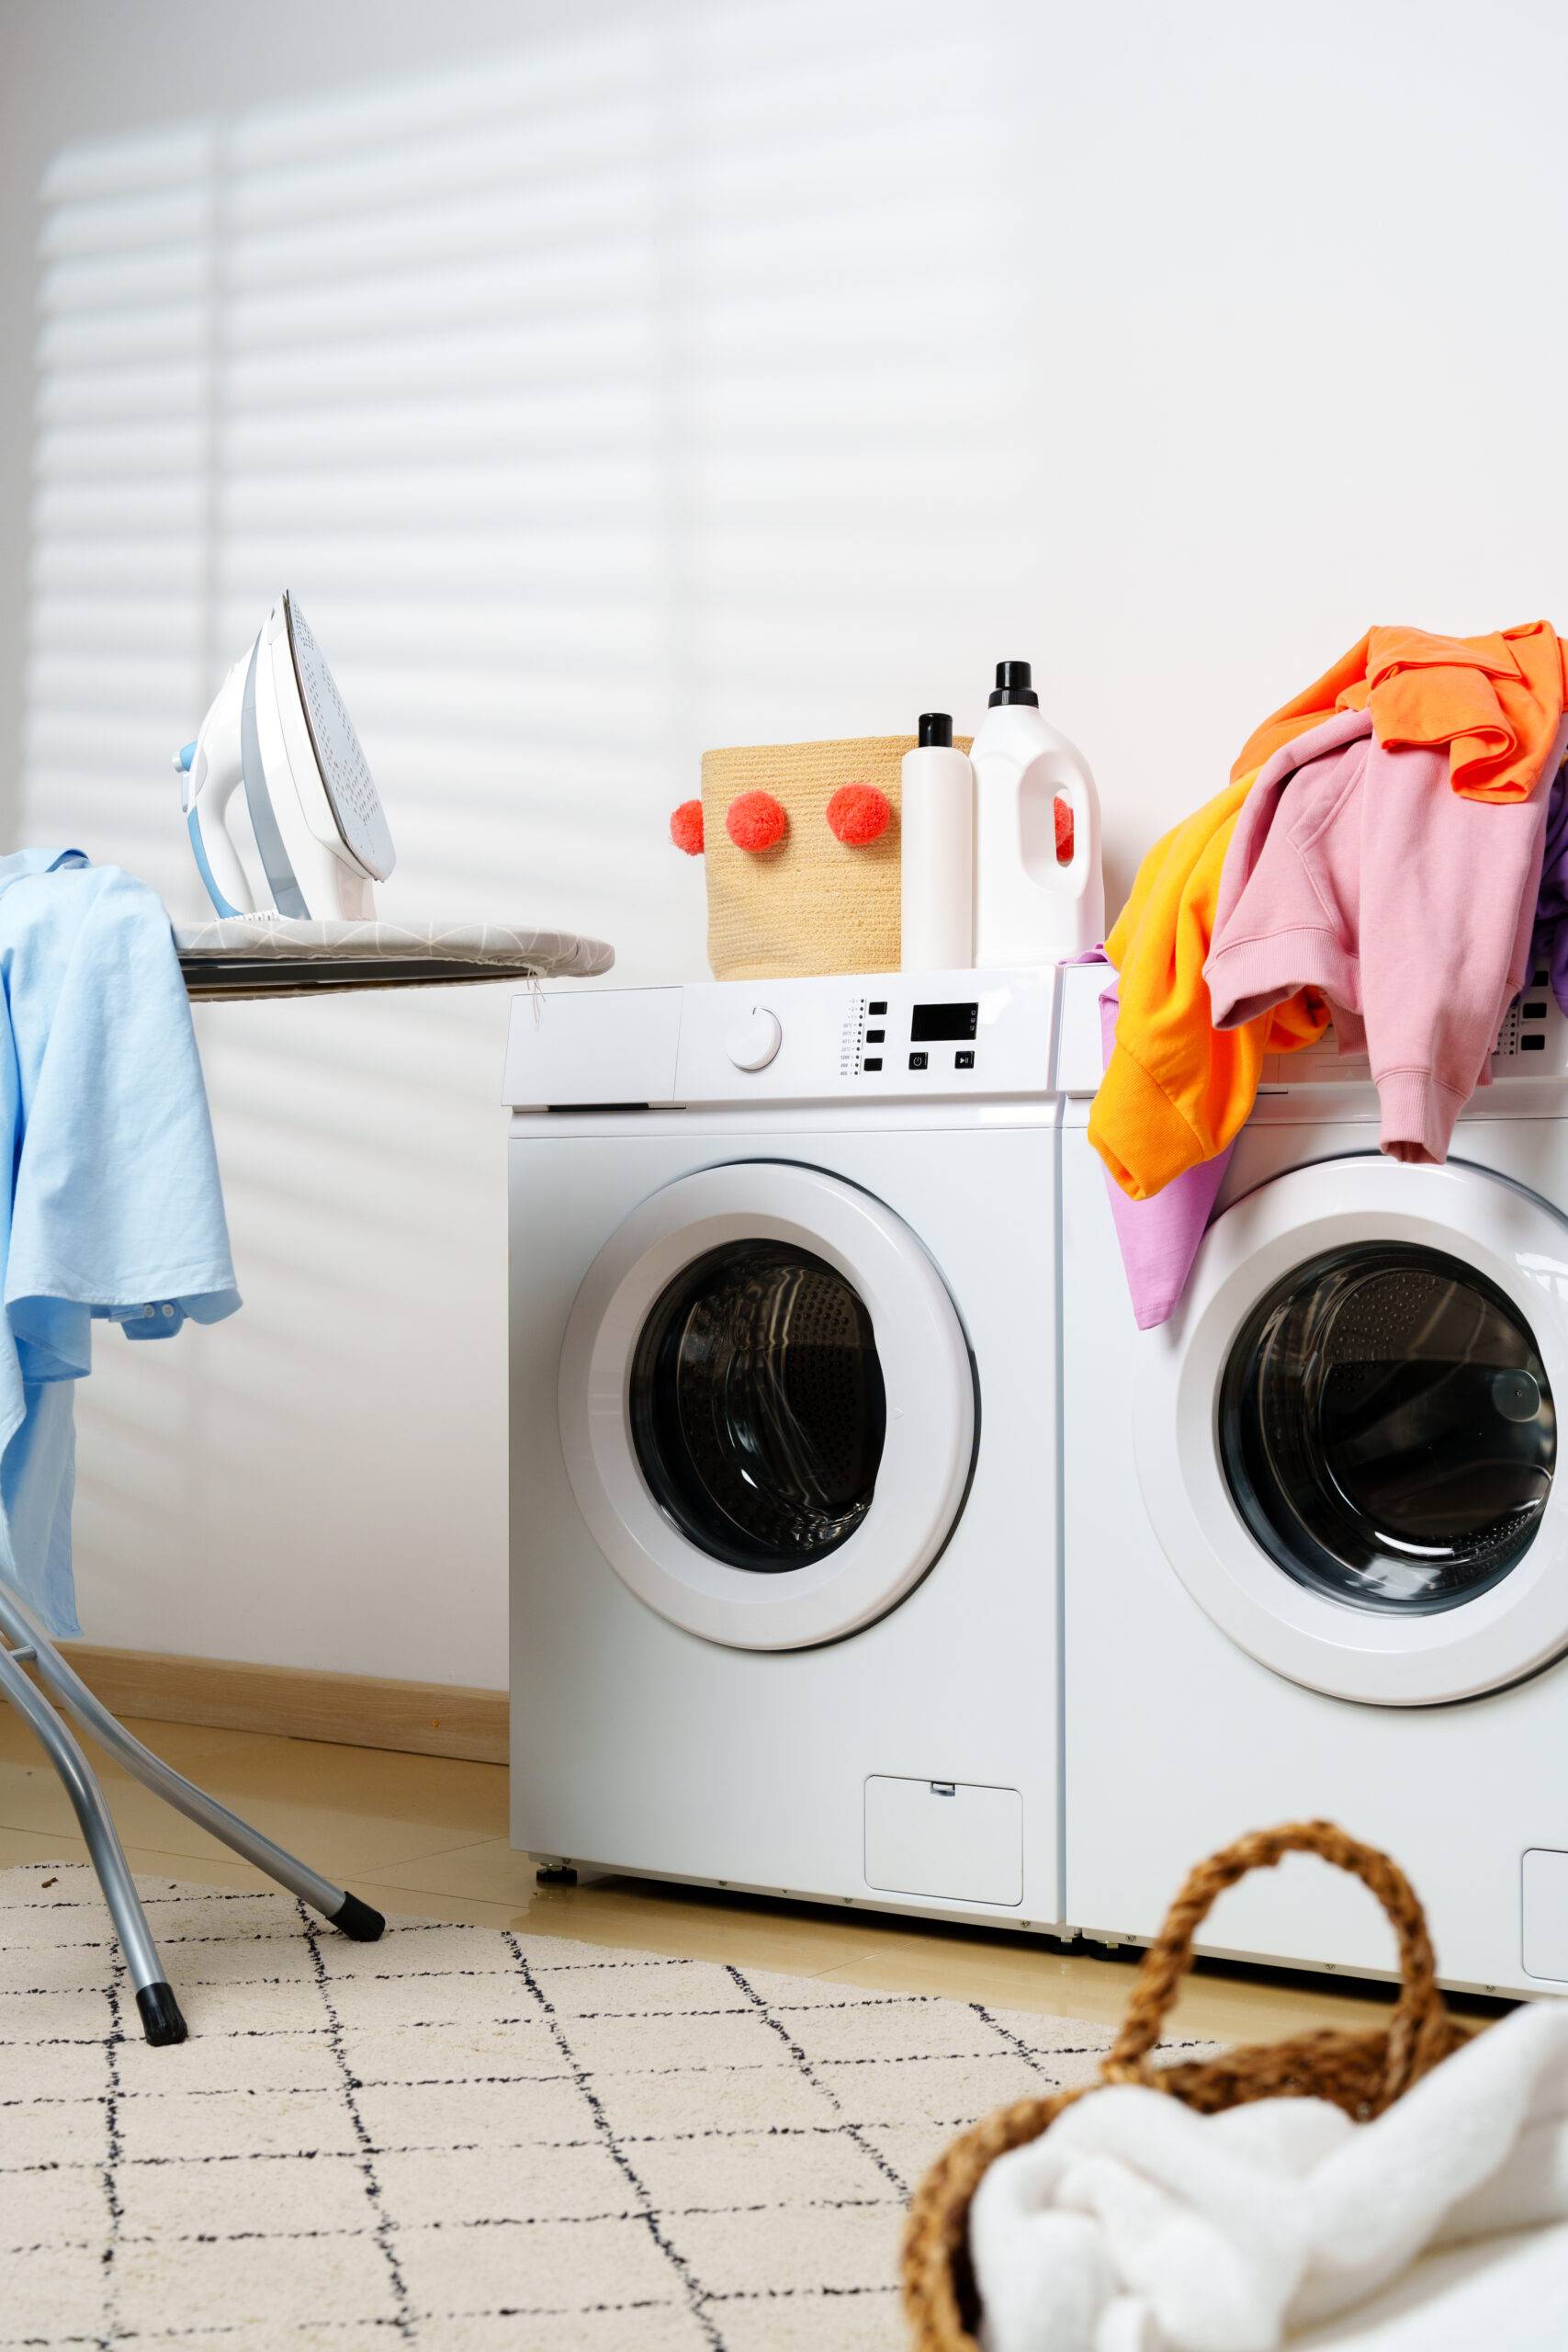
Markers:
point(1387, 1429)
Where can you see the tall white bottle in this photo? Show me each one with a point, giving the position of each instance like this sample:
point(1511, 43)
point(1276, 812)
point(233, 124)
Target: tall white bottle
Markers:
point(1029, 908)
point(936, 827)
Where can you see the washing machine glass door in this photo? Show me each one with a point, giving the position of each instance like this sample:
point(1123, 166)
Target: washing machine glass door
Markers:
point(767, 1405)
point(1347, 1439)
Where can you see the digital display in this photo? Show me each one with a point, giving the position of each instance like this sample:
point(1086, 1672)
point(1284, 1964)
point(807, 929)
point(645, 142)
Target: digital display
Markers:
point(939, 1024)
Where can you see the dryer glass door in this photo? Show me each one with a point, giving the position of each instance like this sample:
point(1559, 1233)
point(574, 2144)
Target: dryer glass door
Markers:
point(1387, 1430)
point(1347, 1438)
point(767, 1405)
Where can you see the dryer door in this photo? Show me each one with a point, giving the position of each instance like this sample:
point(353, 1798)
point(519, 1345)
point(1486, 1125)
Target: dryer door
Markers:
point(767, 1405)
point(1346, 1437)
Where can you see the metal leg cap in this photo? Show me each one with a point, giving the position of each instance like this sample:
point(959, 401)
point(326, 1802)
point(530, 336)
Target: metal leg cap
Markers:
point(358, 1920)
point(555, 1875)
point(161, 2019)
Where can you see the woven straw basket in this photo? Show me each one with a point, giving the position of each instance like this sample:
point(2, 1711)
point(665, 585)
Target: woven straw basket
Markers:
point(1362, 2072)
point(814, 904)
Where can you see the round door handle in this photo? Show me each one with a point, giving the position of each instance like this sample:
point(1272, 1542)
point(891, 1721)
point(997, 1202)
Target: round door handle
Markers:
point(752, 1041)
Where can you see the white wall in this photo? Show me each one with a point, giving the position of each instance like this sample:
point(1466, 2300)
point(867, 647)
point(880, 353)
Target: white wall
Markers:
point(609, 382)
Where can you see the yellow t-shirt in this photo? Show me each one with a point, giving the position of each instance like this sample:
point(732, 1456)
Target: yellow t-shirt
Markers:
point(1176, 1091)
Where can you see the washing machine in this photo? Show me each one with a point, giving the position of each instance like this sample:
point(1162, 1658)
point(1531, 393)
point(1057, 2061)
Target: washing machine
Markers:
point(1315, 1558)
point(785, 1438)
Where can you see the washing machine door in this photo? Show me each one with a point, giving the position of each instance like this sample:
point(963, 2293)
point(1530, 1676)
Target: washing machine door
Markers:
point(1347, 1438)
point(767, 1405)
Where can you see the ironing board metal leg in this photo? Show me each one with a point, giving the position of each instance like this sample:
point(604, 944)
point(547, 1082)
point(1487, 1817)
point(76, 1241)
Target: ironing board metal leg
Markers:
point(102, 1841)
point(356, 1919)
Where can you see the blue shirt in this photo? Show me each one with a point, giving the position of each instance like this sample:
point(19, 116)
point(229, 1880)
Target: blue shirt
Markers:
point(113, 1207)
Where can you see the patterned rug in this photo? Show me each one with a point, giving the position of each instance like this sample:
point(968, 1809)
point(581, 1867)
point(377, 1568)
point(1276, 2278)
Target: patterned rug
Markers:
point(462, 2139)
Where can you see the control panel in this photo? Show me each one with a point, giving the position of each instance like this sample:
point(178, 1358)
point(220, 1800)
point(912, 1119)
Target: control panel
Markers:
point(882, 1033)
point(915, 1036)
point(1532, 1042)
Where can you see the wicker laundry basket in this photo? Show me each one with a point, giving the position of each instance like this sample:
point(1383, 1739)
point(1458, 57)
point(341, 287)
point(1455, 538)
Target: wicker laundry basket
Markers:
point(1362, 2072)
point(812, 903)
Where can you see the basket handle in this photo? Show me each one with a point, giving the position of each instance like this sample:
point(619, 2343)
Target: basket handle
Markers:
point(1419, 2031)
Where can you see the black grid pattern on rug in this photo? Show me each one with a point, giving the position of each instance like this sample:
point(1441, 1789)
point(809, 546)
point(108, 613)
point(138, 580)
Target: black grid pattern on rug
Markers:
point(461, 2139)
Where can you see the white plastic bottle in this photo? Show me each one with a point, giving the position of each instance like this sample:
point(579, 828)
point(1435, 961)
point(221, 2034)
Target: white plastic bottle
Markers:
point(937, 852)
point(1028, 907)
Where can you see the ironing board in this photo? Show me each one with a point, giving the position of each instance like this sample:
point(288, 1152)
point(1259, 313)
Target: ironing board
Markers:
point(265, 956)
point(249, 957)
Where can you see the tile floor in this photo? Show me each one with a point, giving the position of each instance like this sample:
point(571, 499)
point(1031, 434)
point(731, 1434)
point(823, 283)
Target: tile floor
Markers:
point(426, 1835)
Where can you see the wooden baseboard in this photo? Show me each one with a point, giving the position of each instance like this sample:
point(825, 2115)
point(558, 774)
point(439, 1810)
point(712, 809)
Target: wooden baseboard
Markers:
point(355, 1710)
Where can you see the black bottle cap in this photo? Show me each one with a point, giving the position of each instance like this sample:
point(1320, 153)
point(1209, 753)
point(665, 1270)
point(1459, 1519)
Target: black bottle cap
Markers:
point(1013, 684)
point(936, 730)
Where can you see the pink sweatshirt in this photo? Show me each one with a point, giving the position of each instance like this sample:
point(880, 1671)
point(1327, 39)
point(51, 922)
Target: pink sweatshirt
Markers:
point(1361, 872)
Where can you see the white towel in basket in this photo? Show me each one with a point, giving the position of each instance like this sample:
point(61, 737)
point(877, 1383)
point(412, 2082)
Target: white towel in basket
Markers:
point(1133, 2225)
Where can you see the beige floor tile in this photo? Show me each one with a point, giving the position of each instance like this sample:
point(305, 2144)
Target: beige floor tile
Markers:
point(485, 1867)
point(32, 1846)
point(217, 1868)
point(180, 1744)
point(1212, 2007)
point(413, 1903)
point(425, 1836)
point(334, 1820)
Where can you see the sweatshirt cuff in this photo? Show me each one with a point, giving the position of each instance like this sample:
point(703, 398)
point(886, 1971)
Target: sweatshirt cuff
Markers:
point(1251, 977)
point(1138, 1132)
point(1417, 1116)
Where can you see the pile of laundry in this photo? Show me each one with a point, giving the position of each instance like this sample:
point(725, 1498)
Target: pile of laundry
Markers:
point(1390, 854)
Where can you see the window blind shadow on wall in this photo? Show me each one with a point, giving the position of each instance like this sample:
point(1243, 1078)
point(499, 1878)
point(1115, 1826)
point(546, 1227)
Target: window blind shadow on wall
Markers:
point(656, 386)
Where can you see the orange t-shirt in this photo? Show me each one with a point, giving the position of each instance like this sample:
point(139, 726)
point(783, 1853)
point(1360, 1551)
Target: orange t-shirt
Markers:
point(1496, 701)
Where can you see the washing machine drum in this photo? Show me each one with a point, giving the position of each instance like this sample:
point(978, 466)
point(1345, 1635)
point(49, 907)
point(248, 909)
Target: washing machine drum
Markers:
point(758, 1409)
point(767, 1405)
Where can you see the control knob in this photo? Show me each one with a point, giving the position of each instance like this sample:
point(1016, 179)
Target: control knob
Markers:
point(753, 1040)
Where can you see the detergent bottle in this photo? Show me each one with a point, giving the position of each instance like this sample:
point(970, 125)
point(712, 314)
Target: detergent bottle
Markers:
point(1039, 888)
point(936, 832)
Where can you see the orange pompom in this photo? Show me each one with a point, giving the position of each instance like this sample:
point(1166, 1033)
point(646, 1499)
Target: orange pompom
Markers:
point(859, 813)
point(756, 821)
point(686, 828)
point(1063, 811)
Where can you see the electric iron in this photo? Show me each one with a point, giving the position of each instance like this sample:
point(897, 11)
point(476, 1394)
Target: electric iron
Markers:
point(279, 728)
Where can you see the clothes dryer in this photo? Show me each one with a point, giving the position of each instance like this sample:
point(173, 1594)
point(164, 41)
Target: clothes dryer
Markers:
point(1315, 1556)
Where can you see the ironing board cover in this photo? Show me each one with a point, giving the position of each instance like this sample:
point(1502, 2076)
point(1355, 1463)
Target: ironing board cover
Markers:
point(251, 955)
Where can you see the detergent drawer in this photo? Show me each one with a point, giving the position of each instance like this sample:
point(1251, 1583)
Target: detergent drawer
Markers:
point(562, 1051)
point(951, 1841)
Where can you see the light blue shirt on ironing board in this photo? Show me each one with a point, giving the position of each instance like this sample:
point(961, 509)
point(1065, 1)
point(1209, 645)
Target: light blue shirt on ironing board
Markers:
point(113, 1207)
